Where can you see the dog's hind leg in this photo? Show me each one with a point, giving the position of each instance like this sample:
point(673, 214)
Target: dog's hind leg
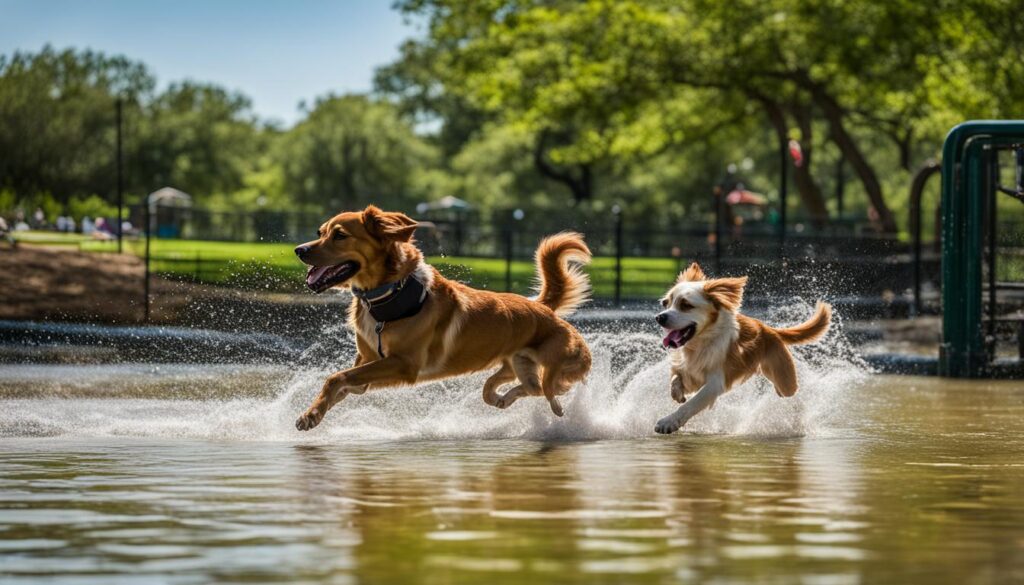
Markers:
point(778, 367)
point(510, 396)
point(504, 375)
point(554, 384)
point(529, 381)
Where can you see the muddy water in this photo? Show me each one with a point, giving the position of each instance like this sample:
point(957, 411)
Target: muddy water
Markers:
point(187, 474)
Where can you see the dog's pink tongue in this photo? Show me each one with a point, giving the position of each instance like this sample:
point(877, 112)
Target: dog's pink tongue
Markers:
point(674, 339)
point(314, 274)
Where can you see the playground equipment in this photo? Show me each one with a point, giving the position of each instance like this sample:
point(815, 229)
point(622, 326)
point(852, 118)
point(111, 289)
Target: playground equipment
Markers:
point(970, 188)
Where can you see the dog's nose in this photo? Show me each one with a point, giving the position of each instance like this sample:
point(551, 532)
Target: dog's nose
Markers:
point(662, 318)
point(300, 251)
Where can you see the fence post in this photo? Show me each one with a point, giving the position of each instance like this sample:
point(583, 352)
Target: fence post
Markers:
point(719, 217)
point(783, 193)
point(120, 180)
point(840, 187)
point(508, 258)
point(458, 234)
point(916, 190)
point(617, 211)
point(149, 236)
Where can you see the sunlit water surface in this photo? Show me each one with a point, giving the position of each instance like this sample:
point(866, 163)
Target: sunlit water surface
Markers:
point(191, 474)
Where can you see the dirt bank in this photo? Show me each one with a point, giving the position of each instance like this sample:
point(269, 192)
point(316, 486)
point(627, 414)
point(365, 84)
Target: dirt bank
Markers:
point(42, 283)
point(59, 284)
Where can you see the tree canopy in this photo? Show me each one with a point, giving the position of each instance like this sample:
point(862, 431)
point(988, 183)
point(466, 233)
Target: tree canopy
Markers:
point(612, 83)
point(547, 103)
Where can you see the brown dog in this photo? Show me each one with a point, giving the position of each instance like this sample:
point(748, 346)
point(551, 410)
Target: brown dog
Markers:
point(413, 325)
point(715, 347)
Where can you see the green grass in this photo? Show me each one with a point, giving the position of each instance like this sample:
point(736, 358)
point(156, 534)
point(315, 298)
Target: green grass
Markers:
point(274, 266)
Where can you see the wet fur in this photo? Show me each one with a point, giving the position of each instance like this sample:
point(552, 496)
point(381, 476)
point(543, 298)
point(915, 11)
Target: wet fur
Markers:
point(460, 329)
point(728, 347)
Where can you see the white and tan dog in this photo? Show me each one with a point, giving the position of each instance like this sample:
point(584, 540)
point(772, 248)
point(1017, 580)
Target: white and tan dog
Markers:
point(714, 347)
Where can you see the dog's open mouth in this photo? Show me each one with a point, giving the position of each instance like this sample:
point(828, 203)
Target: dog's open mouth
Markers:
point(678, 337)
point(321, 278)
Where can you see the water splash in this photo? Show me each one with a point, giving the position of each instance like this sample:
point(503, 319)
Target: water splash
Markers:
point(625, 394)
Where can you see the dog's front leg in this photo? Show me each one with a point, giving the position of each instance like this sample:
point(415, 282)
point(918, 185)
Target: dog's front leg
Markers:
point(390, 371)
point(678, 388)
point(714, 386)
point(683, 382)
point(364, 355)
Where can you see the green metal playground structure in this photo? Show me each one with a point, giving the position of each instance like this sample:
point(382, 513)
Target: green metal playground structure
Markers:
point(970, 191)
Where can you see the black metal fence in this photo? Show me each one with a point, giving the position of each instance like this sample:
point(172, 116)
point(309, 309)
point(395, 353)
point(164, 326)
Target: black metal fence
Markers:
point(230, 226)
point(636, 257)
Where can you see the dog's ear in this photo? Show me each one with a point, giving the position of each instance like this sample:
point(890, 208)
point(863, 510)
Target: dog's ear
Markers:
point(388, 225)
point(726, 293)
point(692, 273)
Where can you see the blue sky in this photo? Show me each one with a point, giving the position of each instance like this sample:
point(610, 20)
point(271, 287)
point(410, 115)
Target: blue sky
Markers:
point(277, 53)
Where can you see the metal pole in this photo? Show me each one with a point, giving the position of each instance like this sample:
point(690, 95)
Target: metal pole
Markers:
point(993, 159)
point(916, 190)
point(458, 233)
point(840, 187)
point(782, 194)
point(719, 212)
point(508, 258)
point(120, 181)
point(618, 253)
point(149, 233)
point(1019, 155)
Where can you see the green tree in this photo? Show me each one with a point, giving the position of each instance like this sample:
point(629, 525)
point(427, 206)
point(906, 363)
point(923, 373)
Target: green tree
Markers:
point(614, 83)
point(197, 137)
point(57, 119)
point(350, 151)
point(57, 115)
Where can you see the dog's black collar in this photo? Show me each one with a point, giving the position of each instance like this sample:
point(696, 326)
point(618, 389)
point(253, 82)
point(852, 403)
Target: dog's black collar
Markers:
point(391, 302)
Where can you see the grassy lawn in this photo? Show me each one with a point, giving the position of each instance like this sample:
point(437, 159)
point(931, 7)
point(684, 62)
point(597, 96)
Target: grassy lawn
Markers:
point(274, 266)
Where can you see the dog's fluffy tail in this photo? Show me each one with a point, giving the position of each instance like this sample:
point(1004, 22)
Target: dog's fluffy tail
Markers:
point(811, 329)
point(561, 282)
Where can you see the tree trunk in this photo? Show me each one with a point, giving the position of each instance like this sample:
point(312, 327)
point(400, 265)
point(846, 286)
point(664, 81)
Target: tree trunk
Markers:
point(904, 143)
point(809, 189)
point(810, 192)
point(851, 152)
point(581, 186)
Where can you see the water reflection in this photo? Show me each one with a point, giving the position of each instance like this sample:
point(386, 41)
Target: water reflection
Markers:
point(922, 484)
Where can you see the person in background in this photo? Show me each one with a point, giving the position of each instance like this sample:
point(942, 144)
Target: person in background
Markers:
point(87, 226)
point(102, 231)
point(5, 233)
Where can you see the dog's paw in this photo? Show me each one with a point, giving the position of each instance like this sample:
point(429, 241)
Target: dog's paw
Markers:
point(666, 426)
point(678, 390)
point(308, 420)
point(503, 402)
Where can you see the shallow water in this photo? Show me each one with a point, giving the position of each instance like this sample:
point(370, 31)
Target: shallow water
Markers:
point(191, 474)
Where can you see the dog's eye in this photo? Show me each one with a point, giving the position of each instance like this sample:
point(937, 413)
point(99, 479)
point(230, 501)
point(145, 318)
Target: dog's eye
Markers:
point(339, 236)
point(664, 303)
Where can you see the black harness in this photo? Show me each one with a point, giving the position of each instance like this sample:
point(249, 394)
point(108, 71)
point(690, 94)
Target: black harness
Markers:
point(391, 302)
